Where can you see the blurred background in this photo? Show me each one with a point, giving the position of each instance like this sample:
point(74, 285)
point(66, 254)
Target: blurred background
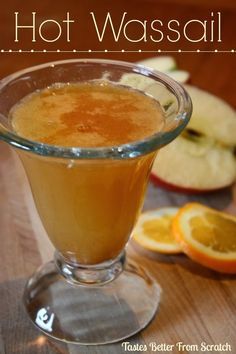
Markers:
point(210, 71)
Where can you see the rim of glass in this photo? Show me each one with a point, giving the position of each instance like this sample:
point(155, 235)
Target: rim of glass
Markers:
point(129, 150)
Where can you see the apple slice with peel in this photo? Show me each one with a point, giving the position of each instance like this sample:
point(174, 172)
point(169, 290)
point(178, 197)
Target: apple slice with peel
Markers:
point(202, 159)
point(194, 164)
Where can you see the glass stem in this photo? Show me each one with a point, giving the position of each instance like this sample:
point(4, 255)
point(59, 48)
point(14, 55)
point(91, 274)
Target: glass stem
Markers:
point(90, 275)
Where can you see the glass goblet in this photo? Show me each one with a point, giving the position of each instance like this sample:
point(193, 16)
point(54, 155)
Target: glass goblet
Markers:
point(89, 200)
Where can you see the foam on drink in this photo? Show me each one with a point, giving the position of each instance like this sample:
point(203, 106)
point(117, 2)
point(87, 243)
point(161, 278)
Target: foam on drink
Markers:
point(87, 115)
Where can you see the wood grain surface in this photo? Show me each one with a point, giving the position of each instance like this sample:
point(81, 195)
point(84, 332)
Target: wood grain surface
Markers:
point(198, 305)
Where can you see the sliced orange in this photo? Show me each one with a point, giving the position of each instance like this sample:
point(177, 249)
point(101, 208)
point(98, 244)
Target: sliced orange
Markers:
point(153, 231)
point(207, 236)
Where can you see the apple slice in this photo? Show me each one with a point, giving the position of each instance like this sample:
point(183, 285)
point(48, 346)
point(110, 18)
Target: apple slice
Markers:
point(195, 164)
point(202, 158)
point(212, 116)
point(181, 76)
point(167, 65)
point(162, 63)
point(138, 82)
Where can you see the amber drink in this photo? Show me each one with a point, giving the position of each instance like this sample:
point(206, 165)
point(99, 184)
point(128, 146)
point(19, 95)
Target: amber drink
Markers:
point(87, 207)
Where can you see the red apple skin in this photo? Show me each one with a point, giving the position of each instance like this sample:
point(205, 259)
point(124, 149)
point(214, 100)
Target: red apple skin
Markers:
point(174, 188)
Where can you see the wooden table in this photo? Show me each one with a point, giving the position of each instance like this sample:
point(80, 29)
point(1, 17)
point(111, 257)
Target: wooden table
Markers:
point(198, 305)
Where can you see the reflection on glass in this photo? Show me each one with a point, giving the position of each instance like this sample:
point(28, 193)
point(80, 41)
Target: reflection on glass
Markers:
point(44, 319)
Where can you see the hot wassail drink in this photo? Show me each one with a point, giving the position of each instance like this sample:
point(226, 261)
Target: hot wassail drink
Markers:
point(87, 206)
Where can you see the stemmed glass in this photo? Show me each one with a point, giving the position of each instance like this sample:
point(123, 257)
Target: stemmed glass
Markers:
point(88, 200)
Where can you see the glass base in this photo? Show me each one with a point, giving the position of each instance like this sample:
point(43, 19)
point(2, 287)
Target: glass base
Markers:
point(91, 315)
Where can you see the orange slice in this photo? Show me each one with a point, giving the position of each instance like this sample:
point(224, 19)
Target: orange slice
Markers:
point(153, 231)
point(207, 236)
